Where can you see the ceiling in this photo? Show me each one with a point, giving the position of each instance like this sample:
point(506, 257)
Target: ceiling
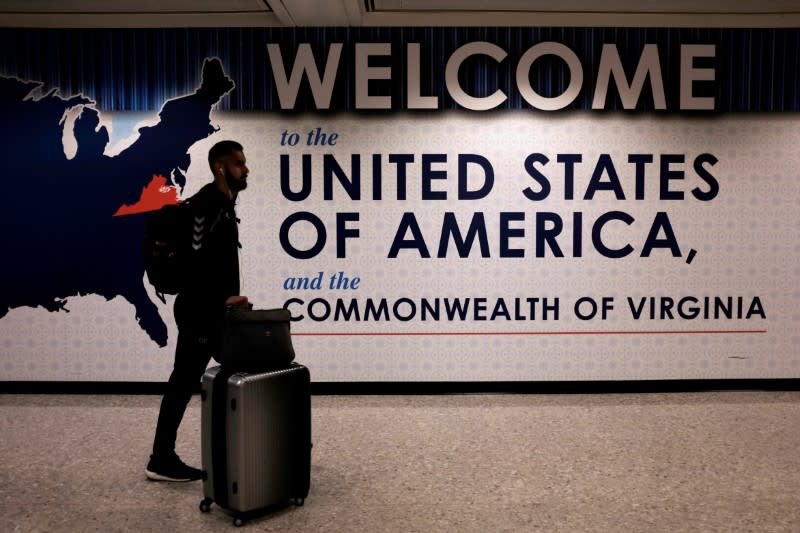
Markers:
point(288, 13)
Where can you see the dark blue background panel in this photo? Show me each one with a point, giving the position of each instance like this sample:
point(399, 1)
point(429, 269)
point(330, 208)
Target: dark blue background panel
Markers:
point(138, 69)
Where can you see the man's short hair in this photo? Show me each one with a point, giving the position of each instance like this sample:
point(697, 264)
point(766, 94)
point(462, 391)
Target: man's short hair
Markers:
point(223, 149)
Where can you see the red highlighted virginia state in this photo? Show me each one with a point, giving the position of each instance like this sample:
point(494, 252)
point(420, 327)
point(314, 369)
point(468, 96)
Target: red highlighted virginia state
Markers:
point(154, 196)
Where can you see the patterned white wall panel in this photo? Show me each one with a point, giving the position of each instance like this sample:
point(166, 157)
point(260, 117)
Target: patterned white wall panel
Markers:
point(744, 240)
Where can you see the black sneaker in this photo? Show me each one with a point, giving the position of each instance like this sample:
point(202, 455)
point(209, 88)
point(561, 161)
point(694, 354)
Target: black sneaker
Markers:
point(171, 469)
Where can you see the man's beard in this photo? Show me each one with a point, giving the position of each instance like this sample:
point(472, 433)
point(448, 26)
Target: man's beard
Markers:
point(236, 185)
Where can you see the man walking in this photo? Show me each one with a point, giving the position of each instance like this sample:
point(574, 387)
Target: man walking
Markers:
point(212, 284)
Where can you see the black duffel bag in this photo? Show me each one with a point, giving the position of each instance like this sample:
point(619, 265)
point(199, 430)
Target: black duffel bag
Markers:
point(256, 340)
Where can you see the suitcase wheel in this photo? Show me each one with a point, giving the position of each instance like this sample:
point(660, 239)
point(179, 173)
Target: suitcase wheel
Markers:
point(298, 501)
point(205, 505)
point(238, 522)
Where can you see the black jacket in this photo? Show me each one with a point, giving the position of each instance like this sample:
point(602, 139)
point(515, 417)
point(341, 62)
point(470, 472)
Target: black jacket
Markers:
point(213, 272)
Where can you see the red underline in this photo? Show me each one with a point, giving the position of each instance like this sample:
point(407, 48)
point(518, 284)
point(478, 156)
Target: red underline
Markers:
point(510, 333)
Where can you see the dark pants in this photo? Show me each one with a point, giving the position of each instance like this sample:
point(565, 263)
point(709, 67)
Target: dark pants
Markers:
point(192, 356)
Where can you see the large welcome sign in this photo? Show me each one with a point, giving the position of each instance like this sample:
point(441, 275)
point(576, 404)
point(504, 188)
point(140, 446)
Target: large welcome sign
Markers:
point(431, 204)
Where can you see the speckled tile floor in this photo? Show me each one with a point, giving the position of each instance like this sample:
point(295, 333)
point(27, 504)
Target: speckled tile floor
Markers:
point(699, 462)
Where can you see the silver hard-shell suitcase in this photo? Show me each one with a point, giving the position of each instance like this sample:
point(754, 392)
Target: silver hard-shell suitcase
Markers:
point(256, 439)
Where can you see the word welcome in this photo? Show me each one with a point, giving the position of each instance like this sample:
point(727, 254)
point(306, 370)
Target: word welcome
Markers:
point(611, 71)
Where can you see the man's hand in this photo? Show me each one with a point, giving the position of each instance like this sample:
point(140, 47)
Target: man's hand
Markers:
point(239, 302)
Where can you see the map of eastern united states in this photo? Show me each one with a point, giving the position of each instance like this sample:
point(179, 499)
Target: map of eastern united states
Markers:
point(63, 238)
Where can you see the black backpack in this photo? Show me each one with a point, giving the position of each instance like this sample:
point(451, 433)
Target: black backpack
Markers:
point(167, 247)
